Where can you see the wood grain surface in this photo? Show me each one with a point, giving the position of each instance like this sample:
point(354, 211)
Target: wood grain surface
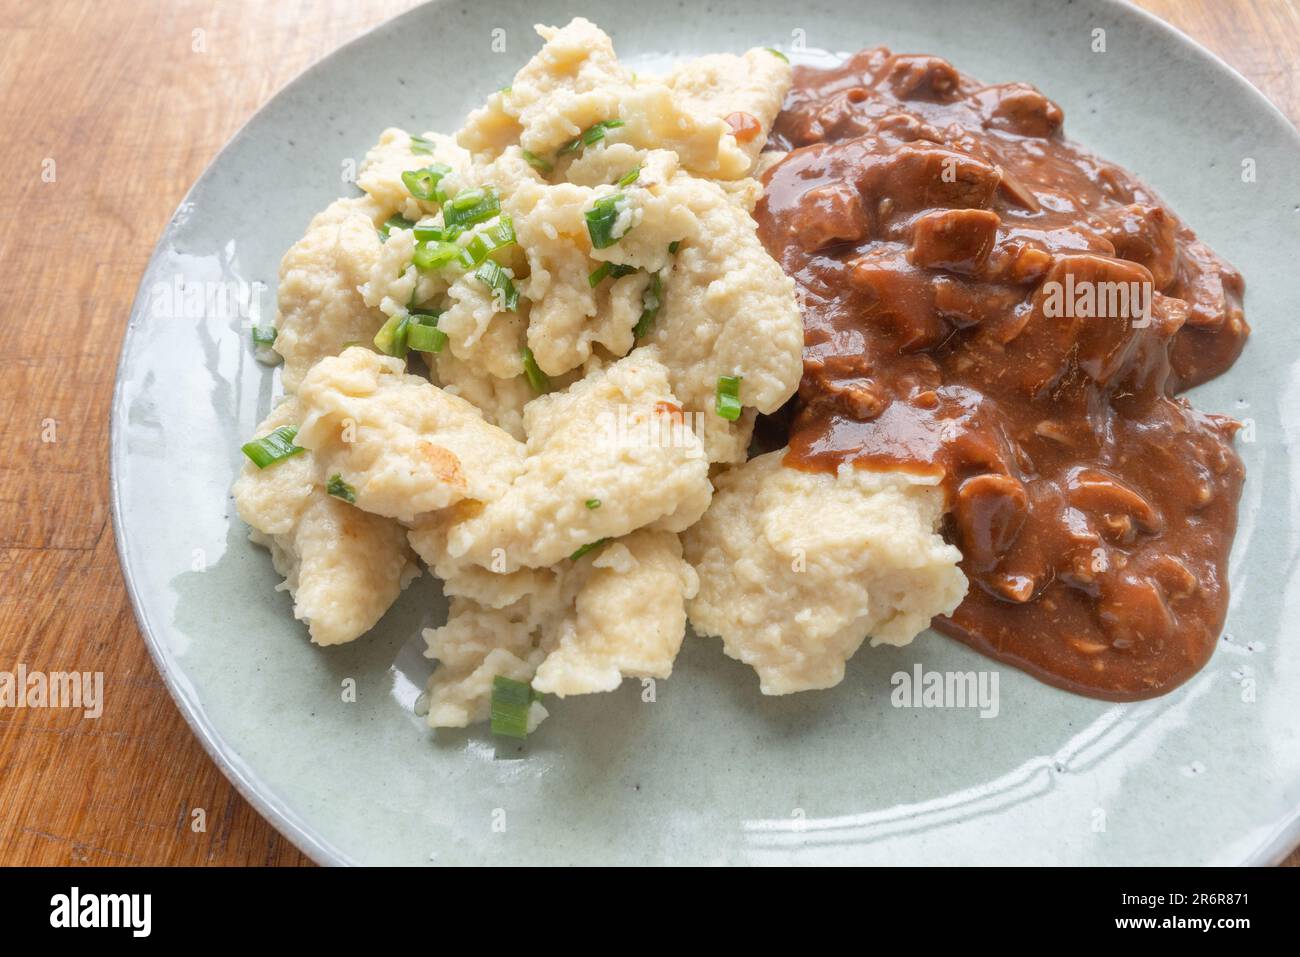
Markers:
point(109, 111)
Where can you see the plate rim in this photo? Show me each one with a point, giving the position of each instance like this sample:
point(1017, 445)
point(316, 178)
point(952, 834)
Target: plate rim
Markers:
point(1271, 851)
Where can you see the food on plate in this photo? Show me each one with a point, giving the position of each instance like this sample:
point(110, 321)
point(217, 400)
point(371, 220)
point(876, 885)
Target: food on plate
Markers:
point(987, 303)
point(612, 438)
point(613, 612)
point(344, 566)
point(597, 327)
point(796, 568)
point(404, 448)
point(532, 356)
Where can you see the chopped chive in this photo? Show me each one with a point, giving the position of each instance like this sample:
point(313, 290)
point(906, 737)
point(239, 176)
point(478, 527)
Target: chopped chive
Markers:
point(590, 136)
point(391, 337)
point(423, 183)
point(536, 377)
point(630, 177)
point(494, 274)
point(273, 447)
point(675, 245)
point(341, 489)
point(593, 503)
point(590, 546)
point(602, 218)
point(428, 231)
point(434, 253)
point(777, 53)
point(728, 398)
point(420, 145)
point(488, 241)
point(650, 304)
point(616, 270)
point(423, 334)
point(471, 206)
point(596, 132)
point(511, 701)
point(426, 339)
point(263, 335)
point(536, 162)
point(394, 222)
point(505, 90)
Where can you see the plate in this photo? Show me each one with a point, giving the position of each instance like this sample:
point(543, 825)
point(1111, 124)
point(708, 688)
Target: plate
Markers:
point(325, 742)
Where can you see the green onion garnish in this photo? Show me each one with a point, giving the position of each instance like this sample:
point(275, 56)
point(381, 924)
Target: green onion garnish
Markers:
point(394, 222)
point(628, 178)
point(728, 399)
point(775, 52)
point(391, 337)
point(494, 274)
point(434, 253)
point(273, 447)
point(591, 135)
point(423, 183)
point(420, 145)
point(650, 303)
point(675, 245)
point(471, 206)
point(426, 339)
point(423, 334)
point(590, 546)
point(341, 489)
point(593, 503)
point(601, 219)
point(428, 231)
point(511, 701)
point(263, 335)
point(536, 162)
point(536, 377)
point(495, 237)
point(617, 270)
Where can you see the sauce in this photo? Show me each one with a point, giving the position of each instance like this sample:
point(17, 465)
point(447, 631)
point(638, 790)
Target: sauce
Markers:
point(986, 301)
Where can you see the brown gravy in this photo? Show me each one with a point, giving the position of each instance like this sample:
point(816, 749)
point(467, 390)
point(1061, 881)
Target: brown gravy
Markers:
point(985, 300)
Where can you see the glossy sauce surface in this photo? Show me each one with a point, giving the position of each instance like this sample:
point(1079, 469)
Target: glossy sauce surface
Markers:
point(987, 301)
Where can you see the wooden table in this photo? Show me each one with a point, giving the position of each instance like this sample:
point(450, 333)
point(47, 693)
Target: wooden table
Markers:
point(126, 102)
